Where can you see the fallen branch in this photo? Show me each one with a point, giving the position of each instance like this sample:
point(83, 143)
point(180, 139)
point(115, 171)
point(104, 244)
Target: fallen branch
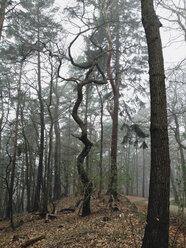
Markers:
point(33, 240)
point(67, 210)
point(51, 217)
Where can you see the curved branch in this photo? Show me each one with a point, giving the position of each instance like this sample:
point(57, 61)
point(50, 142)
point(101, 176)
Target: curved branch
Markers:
point(81, 66)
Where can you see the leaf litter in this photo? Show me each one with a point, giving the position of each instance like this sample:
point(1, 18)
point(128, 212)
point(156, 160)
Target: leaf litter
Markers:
point(104, 228)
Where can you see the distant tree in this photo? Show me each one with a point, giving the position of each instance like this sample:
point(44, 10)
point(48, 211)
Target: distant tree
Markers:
point(33, 32)
point(101, 144)
point(57, 150)
point(178, 14)
point(157, 228)
point(13, 156)
point(111, 40)
point(2, 15)
point(177, 115)
point(134, 135)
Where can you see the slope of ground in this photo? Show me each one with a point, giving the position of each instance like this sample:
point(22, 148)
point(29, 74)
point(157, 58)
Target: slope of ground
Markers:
point(104, 228)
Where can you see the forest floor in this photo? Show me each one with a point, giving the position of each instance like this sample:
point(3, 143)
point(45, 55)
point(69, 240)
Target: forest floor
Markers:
point(104, 228)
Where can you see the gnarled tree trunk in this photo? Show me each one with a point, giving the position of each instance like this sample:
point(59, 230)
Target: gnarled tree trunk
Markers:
point(87, 184)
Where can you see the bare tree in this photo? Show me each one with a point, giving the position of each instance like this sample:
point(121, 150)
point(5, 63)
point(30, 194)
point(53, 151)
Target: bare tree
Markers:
point(178, 14)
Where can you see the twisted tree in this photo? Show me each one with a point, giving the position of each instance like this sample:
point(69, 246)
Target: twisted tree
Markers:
point(91, 67)
point(87, 184)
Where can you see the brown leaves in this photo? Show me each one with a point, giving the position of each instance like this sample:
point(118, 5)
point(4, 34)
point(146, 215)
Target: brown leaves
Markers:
point(103, 228)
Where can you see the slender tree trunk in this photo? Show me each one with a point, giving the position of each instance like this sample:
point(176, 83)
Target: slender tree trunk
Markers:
point(86, 123)
point(42, 129)
point(48, 187)
point(101, 147)
point(27, 177)
point(128, 181)
point(57, 161)
point(2, 15)
point(136, 163)
point(157, 228)
point(12, 178)
point(176, 198)
point(182, 160)
point(1, 121)
point(57, 152)
point(113, 184)
point(115, 84)
point(48, 181)
point(143, 185)
point(1, 157)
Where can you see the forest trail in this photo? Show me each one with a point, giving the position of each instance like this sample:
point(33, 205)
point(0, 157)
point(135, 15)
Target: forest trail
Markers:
point(104, 228)
point(138, 201)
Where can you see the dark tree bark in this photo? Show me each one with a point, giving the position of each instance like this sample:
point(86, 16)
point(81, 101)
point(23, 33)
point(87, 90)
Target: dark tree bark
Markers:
point(87, 184)
point(87, 95)
point(157, 228)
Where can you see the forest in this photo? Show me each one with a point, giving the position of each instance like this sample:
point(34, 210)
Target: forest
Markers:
point(93, 123)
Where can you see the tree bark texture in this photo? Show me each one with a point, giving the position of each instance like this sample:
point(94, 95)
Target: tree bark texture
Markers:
point(157, 228)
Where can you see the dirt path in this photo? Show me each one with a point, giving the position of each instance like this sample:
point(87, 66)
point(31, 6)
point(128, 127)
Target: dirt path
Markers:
point(144, 201)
